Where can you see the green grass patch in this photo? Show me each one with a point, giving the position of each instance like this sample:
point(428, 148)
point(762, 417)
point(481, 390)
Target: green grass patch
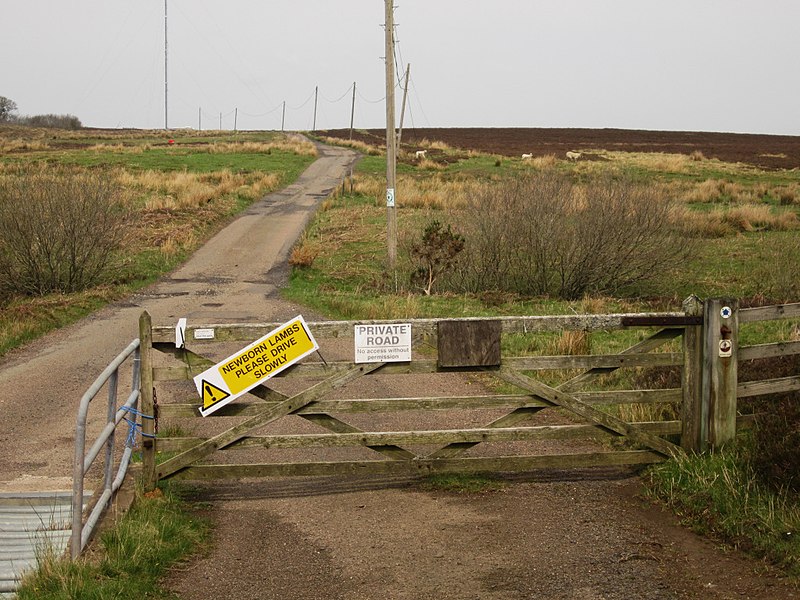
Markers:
point(130, 559)
point(719, 496)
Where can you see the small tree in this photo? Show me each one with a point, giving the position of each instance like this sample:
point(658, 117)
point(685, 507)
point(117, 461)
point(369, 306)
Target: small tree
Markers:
point(7, 109)
point(435, 254)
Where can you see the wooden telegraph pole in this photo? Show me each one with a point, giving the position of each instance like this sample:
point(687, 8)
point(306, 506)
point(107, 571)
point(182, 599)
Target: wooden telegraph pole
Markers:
point(353, 110)
point(391, 147)
point(403, 107)
point(166, 96)
point(316, 94)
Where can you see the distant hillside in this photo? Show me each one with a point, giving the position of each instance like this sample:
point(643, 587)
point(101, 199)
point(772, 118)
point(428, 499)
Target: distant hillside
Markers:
point(766, 151)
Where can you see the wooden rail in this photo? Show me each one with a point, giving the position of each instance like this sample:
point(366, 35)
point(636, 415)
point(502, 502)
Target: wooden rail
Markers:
point(705, 402)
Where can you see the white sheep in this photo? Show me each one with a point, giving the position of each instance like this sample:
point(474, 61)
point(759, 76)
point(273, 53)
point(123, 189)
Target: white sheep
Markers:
point(420, 153)
point(527, 156)
point(573, 155)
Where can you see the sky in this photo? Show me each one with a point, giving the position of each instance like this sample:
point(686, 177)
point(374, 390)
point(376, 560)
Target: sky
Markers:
point(682, 65)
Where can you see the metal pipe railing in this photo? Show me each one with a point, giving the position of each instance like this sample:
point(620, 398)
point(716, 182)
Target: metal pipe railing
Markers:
point(83, 461)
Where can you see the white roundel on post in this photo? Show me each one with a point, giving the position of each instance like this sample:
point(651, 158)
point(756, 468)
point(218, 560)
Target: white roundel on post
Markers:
point(726, 312)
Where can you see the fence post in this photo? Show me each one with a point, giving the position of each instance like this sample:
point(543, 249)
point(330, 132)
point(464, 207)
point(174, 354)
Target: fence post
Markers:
point(694, 431)
point(720, 369)
point(147, 400)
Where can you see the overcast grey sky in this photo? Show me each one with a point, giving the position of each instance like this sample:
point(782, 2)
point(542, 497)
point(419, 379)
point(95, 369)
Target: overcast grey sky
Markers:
point(706, 65)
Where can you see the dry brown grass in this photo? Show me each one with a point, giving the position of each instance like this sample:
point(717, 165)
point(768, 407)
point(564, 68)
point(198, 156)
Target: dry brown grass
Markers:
point(426, 164)
point(432, 192)
point(119, 148)
point(18, 145)
point(573, 343)
point(183, 190)
point(654, 161)
point(740, 219)
point(433, 145)
point(697, 156)
point(304, 253)
point(761, 218)
point(717, 190)
point(548, 161)
point(355, 144)
point(299, 146)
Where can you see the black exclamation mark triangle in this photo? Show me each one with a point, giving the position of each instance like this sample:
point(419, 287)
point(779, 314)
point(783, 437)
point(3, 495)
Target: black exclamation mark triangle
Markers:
point(212, 395)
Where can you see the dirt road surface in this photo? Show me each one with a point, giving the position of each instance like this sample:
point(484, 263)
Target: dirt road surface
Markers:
point(582, 535)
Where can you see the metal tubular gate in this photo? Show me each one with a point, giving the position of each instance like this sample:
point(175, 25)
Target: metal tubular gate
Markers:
point(80, 532)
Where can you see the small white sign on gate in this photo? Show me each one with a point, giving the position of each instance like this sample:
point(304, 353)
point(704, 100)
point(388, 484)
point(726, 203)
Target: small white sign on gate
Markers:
point(385, 342)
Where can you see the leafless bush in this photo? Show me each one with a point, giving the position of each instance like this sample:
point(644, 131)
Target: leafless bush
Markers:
point(543, 235)
point(58, 229)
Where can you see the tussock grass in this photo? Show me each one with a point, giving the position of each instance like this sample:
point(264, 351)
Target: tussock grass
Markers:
point(718, 495)
point(696, 155)
point(299, 146)
point(435, 192)
point(433, 145)
point(569, 342)
point(739, 219)
point(651, 161)
point(363, 147)
point(15, 145)
point(304, 252)
point(548, 161)
point(119, 148)
point(426, 164)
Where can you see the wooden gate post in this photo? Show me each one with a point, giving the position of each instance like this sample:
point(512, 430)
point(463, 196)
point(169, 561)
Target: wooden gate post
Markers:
point(147, 402)
point(694, 430)
point(720, 374)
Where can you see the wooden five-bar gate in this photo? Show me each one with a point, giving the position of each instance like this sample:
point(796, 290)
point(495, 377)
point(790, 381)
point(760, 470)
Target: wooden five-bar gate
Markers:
point(317, 409)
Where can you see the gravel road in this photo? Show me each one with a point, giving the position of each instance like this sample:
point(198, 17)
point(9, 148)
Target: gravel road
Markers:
point(582, 534)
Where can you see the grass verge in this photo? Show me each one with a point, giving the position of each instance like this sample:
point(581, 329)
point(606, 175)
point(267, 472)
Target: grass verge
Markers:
point(130, 559)
point(719, 496)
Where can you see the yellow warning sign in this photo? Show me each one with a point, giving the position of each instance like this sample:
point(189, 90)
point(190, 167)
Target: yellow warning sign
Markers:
point(264, 358)
point(212, 394)
point(259, 361)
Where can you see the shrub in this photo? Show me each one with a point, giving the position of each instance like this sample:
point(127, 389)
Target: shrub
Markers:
point(696, 155)
point(541, 234)
point(58, 230)
point(52, 121)
point(434, 254)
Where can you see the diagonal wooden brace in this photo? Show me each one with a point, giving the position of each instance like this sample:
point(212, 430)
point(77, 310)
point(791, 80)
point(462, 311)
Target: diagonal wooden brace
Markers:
point(269, 414)
point(604, 420)
point(520, 414)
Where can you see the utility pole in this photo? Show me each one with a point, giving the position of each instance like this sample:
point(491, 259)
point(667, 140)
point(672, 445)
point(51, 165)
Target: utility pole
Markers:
point(166, 112)
point(220, 121)
point(316, 94)
point(353, 110)
point(199, 118)
point(403, 108)
point(283, 116)
point(391, 144)
point(235, 118)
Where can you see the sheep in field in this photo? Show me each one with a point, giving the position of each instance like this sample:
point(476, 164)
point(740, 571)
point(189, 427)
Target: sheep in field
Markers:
point(573, 155)
point(420, 153)
point(527, 156)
